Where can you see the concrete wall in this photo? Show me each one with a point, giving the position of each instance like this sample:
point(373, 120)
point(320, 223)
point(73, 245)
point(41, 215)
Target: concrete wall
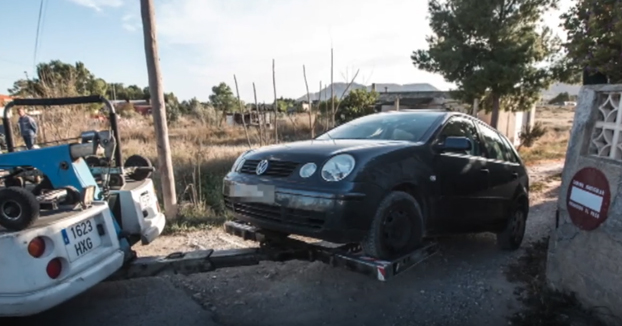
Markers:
point(587, 260)
point(511, 123)
point(506, 123)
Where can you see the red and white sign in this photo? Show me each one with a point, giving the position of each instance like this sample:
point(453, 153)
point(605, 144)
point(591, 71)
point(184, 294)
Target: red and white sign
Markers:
point(588, 198)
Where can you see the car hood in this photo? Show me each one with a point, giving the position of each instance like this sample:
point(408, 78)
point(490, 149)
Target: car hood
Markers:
point(311, 150)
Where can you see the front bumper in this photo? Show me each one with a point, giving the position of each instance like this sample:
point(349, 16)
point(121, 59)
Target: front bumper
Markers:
point(340, 216)
point(31, 303)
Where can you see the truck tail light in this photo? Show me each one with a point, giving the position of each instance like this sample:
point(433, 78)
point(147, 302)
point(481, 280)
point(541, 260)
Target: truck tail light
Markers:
point(36, 247)
point(54, 268)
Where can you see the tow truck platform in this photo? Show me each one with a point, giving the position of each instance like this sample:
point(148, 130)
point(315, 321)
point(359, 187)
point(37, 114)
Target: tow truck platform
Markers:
point(272, 248)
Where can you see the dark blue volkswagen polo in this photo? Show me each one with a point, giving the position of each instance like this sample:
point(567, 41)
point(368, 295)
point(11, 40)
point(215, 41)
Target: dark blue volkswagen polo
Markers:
point(386, 180)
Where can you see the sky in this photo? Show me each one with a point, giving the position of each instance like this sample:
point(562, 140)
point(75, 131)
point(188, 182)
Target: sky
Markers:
point(204, 42)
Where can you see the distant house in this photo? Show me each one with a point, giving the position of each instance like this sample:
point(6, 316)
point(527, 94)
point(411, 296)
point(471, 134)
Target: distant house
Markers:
point(262, 115)
point(392, 101)
point(141, 106)
point(4, 99)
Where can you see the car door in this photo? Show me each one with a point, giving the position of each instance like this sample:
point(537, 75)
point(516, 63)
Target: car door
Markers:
point(504, 172)
point(461, 180)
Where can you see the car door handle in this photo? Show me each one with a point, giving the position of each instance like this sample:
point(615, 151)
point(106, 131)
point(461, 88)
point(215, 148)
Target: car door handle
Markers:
point(514, 175)
point(484, 171)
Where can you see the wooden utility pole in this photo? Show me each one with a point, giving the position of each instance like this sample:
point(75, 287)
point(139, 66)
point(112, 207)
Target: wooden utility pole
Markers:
point(276, 106)
point(165, 163)
point(332, 89)
point(304, 74)
point(475, 107)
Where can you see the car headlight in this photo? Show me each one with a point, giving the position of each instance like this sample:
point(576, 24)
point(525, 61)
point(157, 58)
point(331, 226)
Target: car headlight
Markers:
point(307, 170)
point(338, 167)
point(239, 162)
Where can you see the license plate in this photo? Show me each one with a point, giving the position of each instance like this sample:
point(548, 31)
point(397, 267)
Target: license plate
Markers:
point(81, 238)
point(145, 200)
point(255, 193)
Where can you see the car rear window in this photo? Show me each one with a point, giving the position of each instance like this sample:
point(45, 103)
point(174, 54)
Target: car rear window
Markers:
point(410, 126)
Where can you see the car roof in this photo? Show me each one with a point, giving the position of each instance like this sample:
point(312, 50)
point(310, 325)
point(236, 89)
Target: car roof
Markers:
point(432, 112)
point(428, 112)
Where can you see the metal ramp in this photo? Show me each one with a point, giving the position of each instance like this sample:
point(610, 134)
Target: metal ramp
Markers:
point(273, 248)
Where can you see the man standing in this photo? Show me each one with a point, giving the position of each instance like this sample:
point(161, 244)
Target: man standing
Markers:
point(28, 128)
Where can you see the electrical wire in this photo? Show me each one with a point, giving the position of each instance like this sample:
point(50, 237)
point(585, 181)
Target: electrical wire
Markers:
point(34, 59)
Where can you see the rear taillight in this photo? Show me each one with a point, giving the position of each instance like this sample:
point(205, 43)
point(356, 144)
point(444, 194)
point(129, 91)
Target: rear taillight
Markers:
point(54, 268)
point(36, 247)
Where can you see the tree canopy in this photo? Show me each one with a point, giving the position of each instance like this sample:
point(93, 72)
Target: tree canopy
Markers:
point(357, 103)
point(58, 79)
point(493, 50)
point(594, 37)
point(222, 98)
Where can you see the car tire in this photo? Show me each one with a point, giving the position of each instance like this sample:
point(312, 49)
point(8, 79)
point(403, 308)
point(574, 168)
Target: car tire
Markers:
point(19, 208)
point(513, 234)
point(397, 227)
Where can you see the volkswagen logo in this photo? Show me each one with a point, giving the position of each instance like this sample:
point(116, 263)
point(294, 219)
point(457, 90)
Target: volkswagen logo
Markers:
point(261, 167)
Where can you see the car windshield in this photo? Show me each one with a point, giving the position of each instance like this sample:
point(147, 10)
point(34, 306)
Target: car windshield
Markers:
point(410, 126)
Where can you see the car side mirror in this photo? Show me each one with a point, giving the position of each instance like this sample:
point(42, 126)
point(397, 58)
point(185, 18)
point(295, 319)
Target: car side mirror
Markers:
point(455, 144)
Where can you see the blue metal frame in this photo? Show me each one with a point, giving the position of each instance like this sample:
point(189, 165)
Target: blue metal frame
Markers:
point(57, 165)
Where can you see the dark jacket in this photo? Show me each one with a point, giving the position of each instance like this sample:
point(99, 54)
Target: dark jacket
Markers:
point(27, 126)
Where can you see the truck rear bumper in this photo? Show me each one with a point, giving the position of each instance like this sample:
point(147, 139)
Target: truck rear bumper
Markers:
point(25, 304)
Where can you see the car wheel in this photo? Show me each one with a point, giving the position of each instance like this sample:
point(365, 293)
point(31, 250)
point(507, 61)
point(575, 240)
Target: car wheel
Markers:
point(512, 236)
point(397, 227)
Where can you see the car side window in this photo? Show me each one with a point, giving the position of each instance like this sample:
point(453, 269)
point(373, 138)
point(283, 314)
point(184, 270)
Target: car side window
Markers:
point(509, 151)
point(461, 127)
point(494, 144)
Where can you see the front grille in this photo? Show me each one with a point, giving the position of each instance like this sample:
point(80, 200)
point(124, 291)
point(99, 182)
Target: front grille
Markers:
point(272, 213)
point(275, 168)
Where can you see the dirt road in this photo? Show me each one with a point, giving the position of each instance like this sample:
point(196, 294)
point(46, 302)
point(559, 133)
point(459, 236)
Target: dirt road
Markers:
point(462, 285)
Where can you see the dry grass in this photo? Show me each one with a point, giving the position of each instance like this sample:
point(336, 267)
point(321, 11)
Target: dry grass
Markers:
point(202, 155)
point(552, 146)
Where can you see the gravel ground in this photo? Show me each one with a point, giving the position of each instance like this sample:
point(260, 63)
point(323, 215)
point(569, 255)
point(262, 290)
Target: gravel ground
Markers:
point(462, 285)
